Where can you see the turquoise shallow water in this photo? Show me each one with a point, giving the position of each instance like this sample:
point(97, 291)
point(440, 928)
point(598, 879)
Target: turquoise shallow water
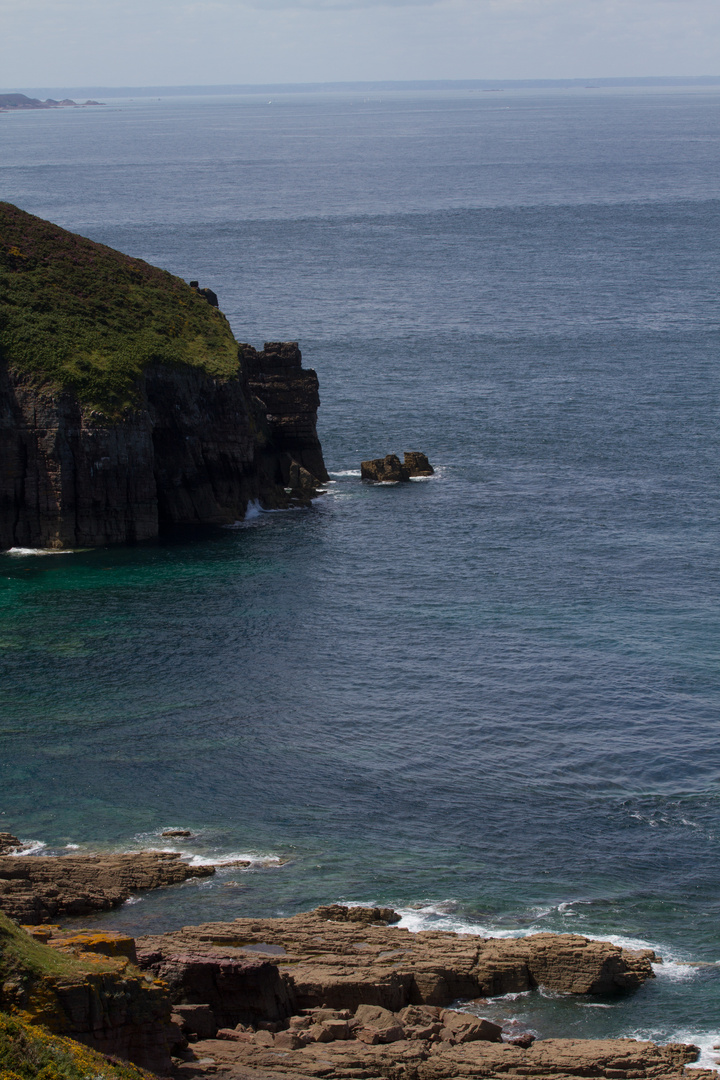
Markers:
point(490, 698)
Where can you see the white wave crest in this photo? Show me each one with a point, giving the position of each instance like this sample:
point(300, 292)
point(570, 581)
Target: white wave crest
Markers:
point(39, 551)
point(441, 916)
point(252, 858)
point(30, 847)
point(346, 472)
point(708, 1058)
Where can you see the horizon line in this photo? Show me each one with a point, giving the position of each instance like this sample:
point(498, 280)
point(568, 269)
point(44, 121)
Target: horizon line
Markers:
point(583, 82)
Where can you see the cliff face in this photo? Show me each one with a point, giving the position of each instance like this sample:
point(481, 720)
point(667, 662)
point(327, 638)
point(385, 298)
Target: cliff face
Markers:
point(125, 408)
point(290, 397)
point(197, 449)
point(101, 1000)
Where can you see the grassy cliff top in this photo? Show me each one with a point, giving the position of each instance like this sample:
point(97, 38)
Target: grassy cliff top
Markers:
point(23, 957)
point(80, 316)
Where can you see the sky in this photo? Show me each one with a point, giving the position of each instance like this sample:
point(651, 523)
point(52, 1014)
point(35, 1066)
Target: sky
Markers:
point(70, 43)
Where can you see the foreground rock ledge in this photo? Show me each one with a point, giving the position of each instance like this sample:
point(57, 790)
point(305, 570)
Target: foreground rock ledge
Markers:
point(341, 993)
point(41, 888)
point(562, 1059)
point(324, 959)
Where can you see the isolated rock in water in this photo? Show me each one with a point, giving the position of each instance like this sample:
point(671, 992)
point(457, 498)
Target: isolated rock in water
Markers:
point(176, 832)
point(390, 469)
point(40, 889)
point(340, 913)
point(387, 470)
point(417, 464)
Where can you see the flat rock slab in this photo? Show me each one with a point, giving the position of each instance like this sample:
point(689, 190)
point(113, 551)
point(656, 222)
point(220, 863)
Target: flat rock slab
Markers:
point(341, 964)
point(564, 1059)
point(40, 889)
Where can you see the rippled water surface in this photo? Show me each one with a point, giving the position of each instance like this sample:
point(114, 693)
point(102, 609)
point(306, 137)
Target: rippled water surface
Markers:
point(489, 698)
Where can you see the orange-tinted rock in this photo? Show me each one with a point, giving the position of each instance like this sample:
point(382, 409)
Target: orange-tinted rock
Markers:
point(109, 943)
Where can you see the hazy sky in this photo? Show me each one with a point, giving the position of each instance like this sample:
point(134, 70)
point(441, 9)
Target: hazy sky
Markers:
point(171, 42)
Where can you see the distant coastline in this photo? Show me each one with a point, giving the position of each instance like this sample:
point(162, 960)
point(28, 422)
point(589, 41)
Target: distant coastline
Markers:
point(384, 86)
point(12, 102)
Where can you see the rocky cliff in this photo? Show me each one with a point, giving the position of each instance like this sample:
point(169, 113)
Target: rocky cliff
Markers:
point(97, 999)
point(126, 405)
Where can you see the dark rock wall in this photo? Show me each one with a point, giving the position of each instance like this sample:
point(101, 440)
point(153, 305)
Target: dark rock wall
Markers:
point(65, 482)
point(203, 437)
point(290, 396)
point(196, 450)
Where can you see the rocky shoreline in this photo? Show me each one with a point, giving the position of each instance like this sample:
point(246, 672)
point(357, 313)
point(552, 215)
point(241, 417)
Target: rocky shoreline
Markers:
point(337, 992)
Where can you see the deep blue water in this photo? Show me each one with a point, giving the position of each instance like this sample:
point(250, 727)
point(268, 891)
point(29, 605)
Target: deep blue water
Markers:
point(490, 698)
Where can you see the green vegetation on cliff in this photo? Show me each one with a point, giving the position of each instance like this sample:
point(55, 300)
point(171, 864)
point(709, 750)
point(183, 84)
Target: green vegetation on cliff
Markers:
point(21, 957)
point(28, 1052)
point(80, 316)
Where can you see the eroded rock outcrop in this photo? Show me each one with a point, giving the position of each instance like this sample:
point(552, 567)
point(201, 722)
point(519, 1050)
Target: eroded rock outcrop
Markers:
point(290, 398)
point(342, 964)
point(9, 843)
point(197, 449)
point(41, 889)
point(342, 993)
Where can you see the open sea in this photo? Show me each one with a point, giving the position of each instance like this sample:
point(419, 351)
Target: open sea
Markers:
point(489, 699)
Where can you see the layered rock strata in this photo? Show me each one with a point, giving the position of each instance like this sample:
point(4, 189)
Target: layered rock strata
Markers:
point(420, 1059)
point(291, 398)
point(9, 844)
point(41, 889)
point(342, 993)
point(313, 960)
